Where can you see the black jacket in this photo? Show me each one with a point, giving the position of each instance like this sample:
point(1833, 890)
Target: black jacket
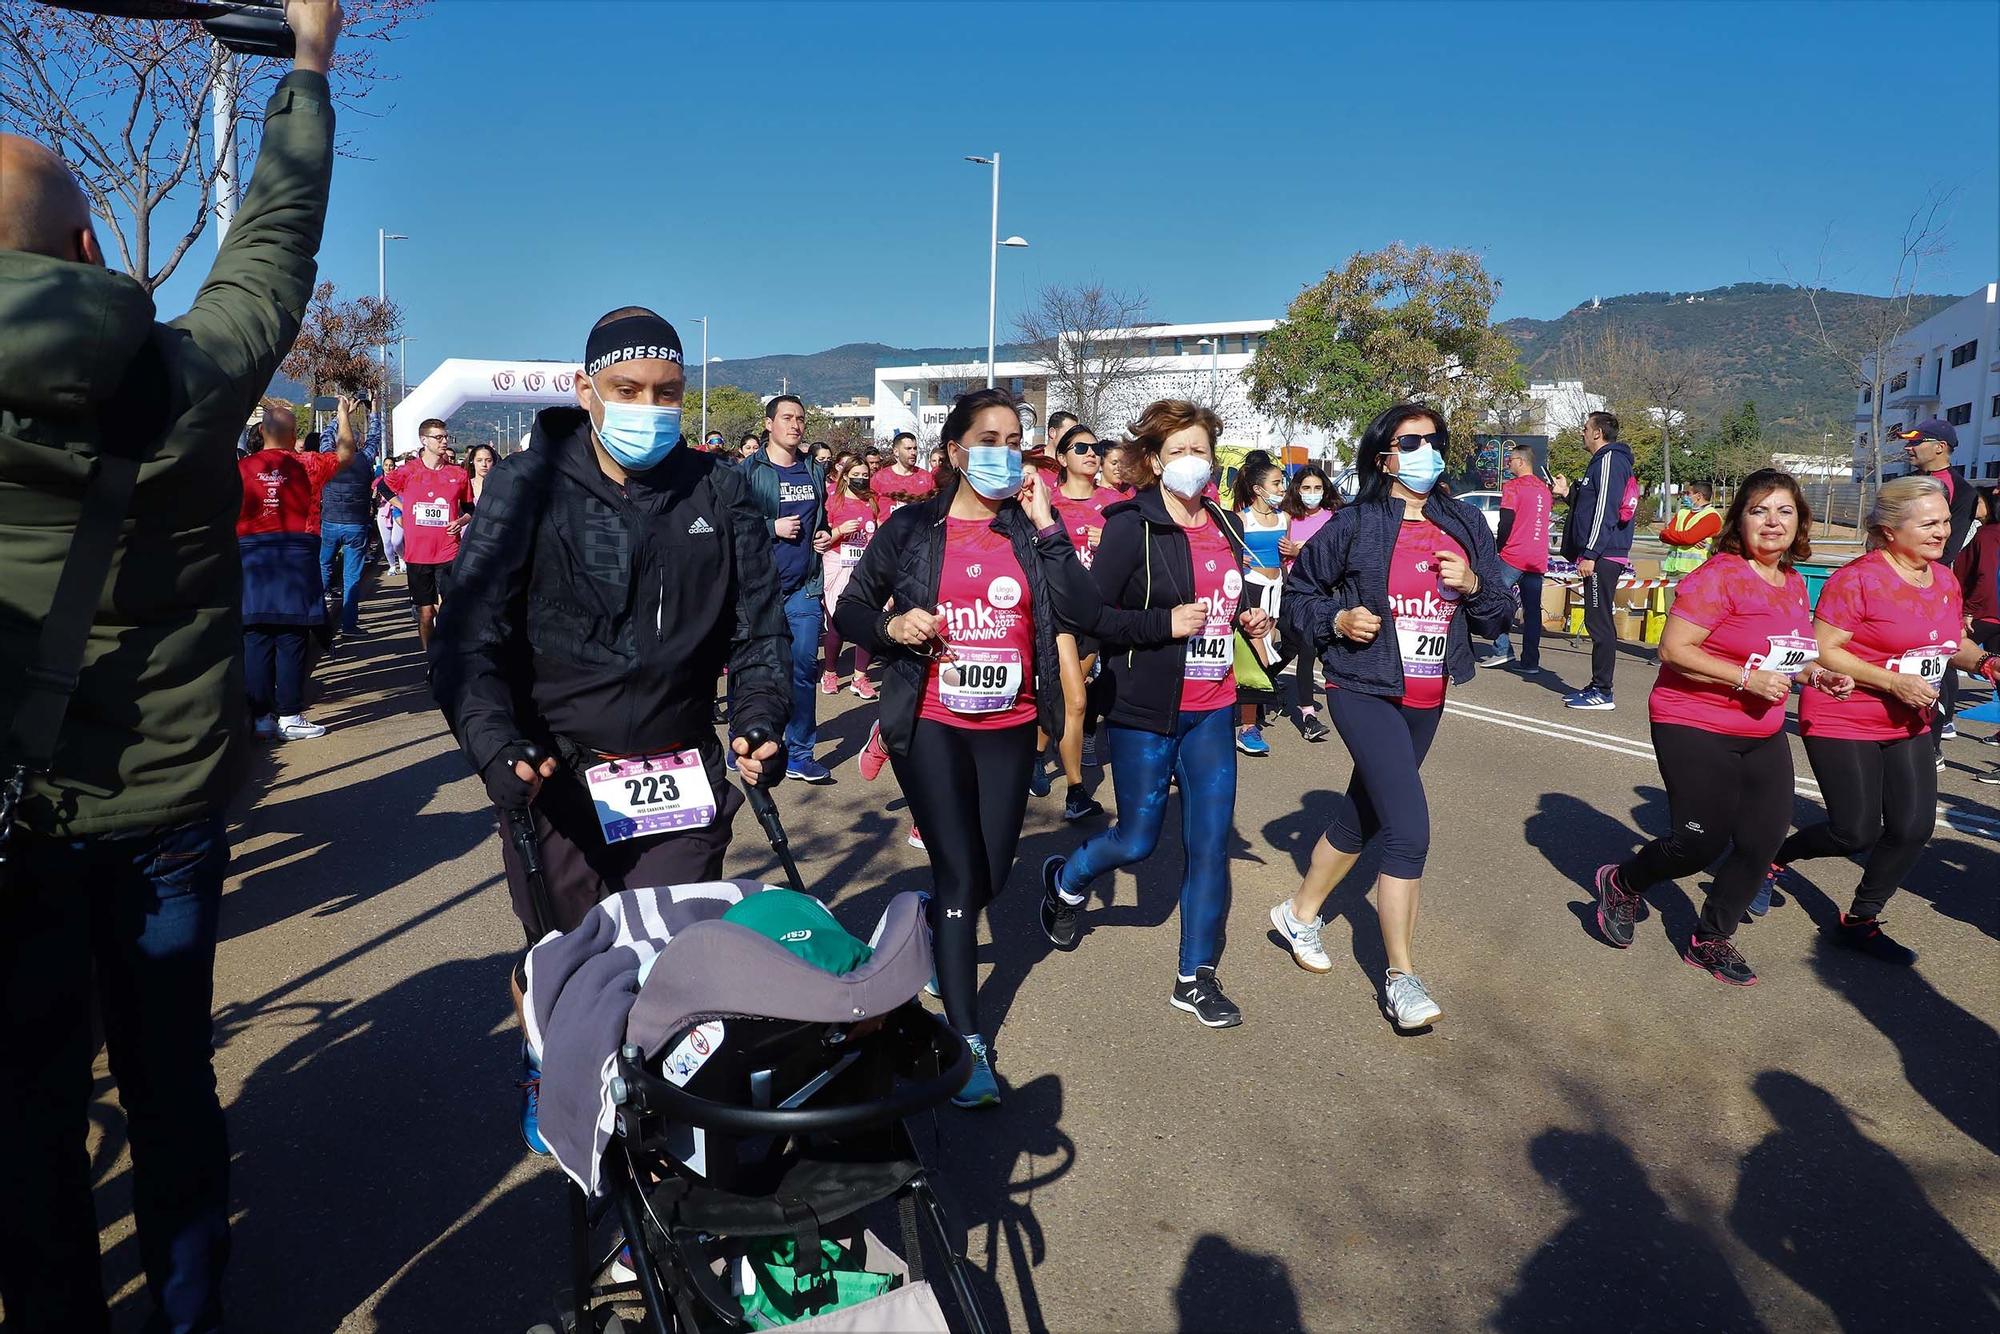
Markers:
point(603, 615)
point(1595, 530)
point(1346, 564)
point(1144, 568)
point(1964, 498)
point(904, 563)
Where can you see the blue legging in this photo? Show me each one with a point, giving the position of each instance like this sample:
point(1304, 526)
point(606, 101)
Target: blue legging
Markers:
point(1202, 751)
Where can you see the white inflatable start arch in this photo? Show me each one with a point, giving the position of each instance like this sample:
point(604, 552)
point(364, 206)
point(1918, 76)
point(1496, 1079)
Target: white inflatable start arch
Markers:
point(460, 381)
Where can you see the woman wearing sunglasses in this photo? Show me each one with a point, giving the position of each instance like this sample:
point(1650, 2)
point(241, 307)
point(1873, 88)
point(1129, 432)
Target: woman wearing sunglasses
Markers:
point(961, 593)
point(1382, 593)
point(1080, 502)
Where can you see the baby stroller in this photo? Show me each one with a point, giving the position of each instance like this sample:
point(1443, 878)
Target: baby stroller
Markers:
point(753, 1110)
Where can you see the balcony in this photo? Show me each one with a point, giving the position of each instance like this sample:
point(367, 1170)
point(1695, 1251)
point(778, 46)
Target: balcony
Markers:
point(1912, 396)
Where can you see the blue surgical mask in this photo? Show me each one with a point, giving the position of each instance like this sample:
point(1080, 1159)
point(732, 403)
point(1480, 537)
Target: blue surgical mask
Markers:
point(994, 471)
point(1421, 468)
point(639, 435)
point(1311, 499)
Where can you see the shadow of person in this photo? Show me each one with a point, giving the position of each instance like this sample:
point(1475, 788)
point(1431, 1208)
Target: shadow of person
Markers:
point(1666, 1274)
point(1950, 1058)
point(1844, 1219)
point(1576, 838)
point(1224, 1289)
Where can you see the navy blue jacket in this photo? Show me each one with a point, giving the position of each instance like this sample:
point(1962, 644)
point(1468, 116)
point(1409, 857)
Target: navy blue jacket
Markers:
point(1346, 564)
point(1594, 530)
point(762, 475)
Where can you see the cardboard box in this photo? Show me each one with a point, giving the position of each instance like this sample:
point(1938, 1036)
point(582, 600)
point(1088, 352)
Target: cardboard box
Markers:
point(1631, 624)
point(1555, 603)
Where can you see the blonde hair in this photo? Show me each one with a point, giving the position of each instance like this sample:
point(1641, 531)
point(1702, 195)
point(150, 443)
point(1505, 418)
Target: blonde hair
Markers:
point(1893, 503)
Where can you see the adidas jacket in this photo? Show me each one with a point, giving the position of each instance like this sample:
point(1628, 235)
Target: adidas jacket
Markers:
point(1595, 531)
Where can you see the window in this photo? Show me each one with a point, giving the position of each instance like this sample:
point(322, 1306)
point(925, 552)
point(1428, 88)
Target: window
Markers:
point(1900, 383)
point(1993, 469)
point(1960, 415)
point(1996, 407)
point(1867, 393)
point(1964, 352)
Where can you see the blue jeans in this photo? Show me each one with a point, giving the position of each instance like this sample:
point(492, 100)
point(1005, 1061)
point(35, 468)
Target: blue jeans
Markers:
point(140, 911)
point(1531, 615)
point(805, 615)
point(348, 541)
point(1202, 751)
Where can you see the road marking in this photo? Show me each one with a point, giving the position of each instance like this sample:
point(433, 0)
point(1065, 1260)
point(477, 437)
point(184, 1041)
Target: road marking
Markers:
point(1966, 822)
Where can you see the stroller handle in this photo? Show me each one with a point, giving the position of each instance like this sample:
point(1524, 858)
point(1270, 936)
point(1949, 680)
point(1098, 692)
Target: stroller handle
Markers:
point(647, 1092)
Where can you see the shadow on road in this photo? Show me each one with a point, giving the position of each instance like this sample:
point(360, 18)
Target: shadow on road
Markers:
point(1227, 1290)
point(1576, 838)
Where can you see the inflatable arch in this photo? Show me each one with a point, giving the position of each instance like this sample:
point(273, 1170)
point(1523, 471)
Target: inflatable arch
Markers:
point(460, 381)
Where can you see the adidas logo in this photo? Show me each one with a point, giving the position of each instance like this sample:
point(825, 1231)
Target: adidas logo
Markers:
point(700, 525)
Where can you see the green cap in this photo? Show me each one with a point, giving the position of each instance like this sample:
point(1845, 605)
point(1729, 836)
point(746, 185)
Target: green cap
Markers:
point(802, 925)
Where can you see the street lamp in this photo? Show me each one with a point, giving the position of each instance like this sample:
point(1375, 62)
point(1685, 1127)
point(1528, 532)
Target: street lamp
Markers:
point(1214, 346)
point(382, 239)
point(704, 378)
point(403, 366)
point(993, 259)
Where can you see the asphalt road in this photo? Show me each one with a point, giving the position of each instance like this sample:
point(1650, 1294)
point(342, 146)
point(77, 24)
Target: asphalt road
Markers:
point(1590, 1139)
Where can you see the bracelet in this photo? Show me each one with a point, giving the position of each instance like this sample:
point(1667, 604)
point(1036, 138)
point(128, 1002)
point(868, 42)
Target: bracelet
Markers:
point(1742, 680)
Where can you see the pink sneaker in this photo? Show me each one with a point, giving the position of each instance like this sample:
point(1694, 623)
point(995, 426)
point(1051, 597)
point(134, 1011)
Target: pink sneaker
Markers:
point(916, 839)
point(873, 755)
point(829, 683)
point(863, 688)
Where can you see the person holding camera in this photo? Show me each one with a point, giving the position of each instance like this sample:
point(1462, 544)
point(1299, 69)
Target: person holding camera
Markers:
point(345, 504)
point(120, 668)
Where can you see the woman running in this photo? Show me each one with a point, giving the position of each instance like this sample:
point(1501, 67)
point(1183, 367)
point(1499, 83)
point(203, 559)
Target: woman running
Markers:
point(1415, 565)
point(962, 593)
point(1258, 498)
point(1739, 635)
point(1892, 619)
point(852, 513)
point(1309, 502)
point(479, 461)
point(1081, 503)
point(389, 522)
point(1170, 572)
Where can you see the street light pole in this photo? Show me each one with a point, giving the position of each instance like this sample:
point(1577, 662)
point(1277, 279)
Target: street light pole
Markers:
point(993, 260)
point(1214, 346)
point(382, 239)
point(704, 379)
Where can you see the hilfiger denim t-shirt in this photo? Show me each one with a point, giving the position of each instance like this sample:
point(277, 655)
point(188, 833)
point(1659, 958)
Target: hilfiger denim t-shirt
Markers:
point(1421, 608)
point(987, 617)
point(1749, 623)
point(1895, 625)
point(1209, 674)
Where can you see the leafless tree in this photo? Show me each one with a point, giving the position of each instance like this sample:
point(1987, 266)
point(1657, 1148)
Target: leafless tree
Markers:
point(1672, 378)
point(335, 341)
point(1082, 337)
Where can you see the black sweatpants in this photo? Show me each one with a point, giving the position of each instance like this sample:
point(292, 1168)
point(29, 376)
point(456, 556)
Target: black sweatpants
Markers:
point(1599, 591)
point(1724, 792)
point(274, 669)
point(968, 791)
point(1881, 802)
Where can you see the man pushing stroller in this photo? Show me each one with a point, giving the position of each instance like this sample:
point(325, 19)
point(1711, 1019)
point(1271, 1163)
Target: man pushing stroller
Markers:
point(611, 577)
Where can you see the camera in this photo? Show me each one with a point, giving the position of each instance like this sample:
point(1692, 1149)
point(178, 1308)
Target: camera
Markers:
point(250, 27)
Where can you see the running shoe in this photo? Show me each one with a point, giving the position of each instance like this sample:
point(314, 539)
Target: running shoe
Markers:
point(1590, 697)
point(1722, 961)
point(1090, 751)
point(1060, 919)
point(1993, 740)
point(1311, 728)
point(1990, 776)
point(1251, 741)
point(1203, 999)
point(873, 754)
point(1495, 659)
point(296, 728)
point(1866, 935)
point(729, 758)
point(829, 683)
point(916, 840)
point(1080, 805)
point(1039, 782)
point(530, 1085)
point(1409, 1002)
point(1617, 907)
point(808, 770)
point(267, 727)
point(1940, 762)
point(1526, 668)
point(1303, 937)
point(862, 687)
point(981, 1088)
point(1760, 903)
point(1949, 732)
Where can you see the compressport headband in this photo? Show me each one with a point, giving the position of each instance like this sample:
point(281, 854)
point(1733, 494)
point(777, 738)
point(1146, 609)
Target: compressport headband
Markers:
point(634, 338)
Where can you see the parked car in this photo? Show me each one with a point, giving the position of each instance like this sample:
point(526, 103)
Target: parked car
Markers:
point(1488, 504)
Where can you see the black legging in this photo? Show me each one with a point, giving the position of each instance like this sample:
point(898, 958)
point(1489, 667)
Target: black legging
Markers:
point(1881, 799)
point(1302, 670)
point(1731, 792)
point(1385, 795)
point(968, 791)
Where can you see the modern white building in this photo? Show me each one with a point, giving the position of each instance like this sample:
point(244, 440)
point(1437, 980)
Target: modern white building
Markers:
point(1949, 367)
point(1561, 405)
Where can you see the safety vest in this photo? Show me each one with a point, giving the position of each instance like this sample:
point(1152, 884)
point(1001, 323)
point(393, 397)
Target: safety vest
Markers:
point(1682, 560)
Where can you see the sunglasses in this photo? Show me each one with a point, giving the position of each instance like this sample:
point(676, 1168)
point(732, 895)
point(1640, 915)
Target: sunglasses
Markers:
point(1411, 443)
point(1101, 448)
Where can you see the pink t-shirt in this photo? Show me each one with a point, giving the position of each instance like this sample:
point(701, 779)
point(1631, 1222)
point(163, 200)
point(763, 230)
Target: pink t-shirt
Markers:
point(839, 509)
point(1209, 671)
point(988, 620)
point(899, 490)
point(1303, 529)
point(1421, 608)
point(1080, 516)
point(433, 498)
point(1895, 625)
point(1527, 546)
point(1748, 621)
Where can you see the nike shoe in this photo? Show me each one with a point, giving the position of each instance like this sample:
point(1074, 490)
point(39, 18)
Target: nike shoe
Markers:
point(1303, 937)
point(1251, 742)
point(873, 754)
point(1080, 805)
point(808, 771)
point(1408, 1001)
point(1060, 918)
point(829, 683)
point(1495, 659)
point(530, 1085)
point(1203, 999)
point(296, 728)
point(981, 1088)
point(1865, 934)
point(1721, 960)
point(1617, 907)
point(1590, 697)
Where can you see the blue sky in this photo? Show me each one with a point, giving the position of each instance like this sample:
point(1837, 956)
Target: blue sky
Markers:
point(793, 171)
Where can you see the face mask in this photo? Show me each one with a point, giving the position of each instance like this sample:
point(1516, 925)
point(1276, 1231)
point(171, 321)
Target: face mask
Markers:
point(994, 471)
point(1186, 475)
point(1311, 499)
point(1421, 469)
point(639, 435)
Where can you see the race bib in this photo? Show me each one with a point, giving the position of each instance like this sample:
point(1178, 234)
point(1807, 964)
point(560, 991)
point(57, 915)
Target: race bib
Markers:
point(1422, 641)
point(1789, 654)
point(1210, 654)
point(430, 514)
point(1928, 663)
point(980, 680)
point(651, 794)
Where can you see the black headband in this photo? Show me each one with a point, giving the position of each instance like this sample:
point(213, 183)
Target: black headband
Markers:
point(633, 338)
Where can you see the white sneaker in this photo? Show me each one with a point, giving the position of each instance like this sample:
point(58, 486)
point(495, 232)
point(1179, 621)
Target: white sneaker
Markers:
point(1410, 1006)
point(267, 727)
point(296, 728)
point(1307, 952)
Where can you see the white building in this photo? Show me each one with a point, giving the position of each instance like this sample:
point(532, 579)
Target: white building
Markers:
point(1200, 362)
point(1949, 367)
point(1561, 405)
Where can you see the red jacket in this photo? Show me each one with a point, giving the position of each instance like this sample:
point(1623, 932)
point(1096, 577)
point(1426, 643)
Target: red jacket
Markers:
point(281, 491)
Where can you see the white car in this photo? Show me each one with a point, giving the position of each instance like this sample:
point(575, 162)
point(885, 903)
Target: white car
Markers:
point(1488, 504)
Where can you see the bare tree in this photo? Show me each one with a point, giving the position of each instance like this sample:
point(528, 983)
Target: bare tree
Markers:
point(1866, 339)
point(1672, 378)
point(1083, 338)
point(123, 101)
point(335, 342)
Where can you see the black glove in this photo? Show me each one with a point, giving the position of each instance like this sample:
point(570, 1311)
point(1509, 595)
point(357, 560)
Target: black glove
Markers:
point(503, 784)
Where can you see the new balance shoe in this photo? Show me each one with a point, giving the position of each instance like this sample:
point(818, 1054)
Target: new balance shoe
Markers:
point(829, 683)
point(1495, 659)
point(530, 1085)
point(1721, 960)
point(294, 727)
point(1080, 805)
point(862, 687)
point(1060, 917)
point(1865, 935)
point(1251, 742)
point(981, 1088)
point(873, 754)
point(1303, 937)
point(1408, 1001)
point(267, 727)
point(1202, 997)
point(1617, 907)
point(808, 770)
point(1589, 698)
